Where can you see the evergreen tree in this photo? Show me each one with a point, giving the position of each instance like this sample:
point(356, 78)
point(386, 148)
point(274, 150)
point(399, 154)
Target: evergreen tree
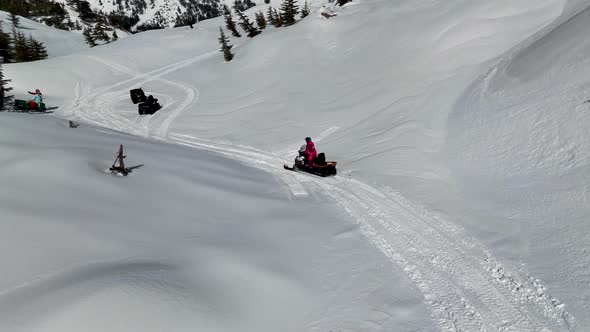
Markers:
point(22, 53)
point(115, 36)
point(260, 20)
point(84, 10)
point(305, 10)
point(225, 46)
point(4, 99)
point(230, 24)
point(270, 16)
point(245, 23)
point(37, 49)
point(289, 9)
point(99, 32)
point(6, 50)
point(14, 20)
point(249, 4)
point(243, 5)
point(89, 37)
point(279, 22)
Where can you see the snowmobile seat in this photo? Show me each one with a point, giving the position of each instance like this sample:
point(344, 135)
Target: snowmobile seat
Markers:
point(320, 160)
point(137, 95)
point(329, 168)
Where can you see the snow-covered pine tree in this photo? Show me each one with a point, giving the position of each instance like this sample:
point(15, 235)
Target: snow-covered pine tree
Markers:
point(14, 20)
point(37, 49)
point(289, 9)
point(225, 46)
point(4, 88)
point(279, 21)
point(245, 23)
point(243, 5)
point(99, 32)
point(260, 20)
point(22, 53)
point(249, 4)
point(89, 37)
point(270, 16)
point(230, 24)
point(6, 50)
point(84, 10)
point(305, 10)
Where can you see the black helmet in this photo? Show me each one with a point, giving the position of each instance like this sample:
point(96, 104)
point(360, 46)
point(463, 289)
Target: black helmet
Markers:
point(308, 139)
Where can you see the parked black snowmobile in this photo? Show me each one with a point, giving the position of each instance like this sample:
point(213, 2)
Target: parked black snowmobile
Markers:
point(320, 167)
point(147, 105)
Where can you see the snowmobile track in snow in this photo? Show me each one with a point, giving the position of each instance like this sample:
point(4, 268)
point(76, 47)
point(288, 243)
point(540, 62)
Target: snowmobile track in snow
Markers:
point(464, 286)
point(98, 107)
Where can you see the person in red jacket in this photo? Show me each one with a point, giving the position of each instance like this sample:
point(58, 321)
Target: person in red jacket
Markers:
point(310, 152)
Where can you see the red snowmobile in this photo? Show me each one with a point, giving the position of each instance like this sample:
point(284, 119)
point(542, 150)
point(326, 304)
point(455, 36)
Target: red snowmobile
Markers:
point(320, 166)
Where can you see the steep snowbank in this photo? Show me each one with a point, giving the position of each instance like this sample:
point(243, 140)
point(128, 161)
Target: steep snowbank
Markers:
point(520, 142)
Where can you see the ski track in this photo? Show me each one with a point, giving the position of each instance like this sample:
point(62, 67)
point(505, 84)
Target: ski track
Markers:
point(464, 286)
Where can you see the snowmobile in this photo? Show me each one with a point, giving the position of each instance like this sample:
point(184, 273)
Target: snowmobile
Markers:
point(137, 95)
point(150, 106)
point(320, 167)
point(25, 106)
point(147, 105)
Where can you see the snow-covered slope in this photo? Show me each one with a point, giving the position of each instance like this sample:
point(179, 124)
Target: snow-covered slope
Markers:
point(459, 160)
point(520, 142)
point(57, 42)
point(190, 240)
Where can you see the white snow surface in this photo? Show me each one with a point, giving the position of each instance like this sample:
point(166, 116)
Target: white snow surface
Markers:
point(460, 129)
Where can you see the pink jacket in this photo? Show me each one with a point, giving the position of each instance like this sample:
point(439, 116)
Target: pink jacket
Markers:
point(310, 152)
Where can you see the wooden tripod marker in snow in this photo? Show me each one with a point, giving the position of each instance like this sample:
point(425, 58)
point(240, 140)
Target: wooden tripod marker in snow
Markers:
point(120, 169)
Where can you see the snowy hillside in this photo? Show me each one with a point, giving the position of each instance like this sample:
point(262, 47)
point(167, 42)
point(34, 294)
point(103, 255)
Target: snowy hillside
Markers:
point(58, 42)
point(460, 132)
point(162, 12)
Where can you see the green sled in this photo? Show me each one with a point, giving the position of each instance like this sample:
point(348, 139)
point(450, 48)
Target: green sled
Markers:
point(23, 105)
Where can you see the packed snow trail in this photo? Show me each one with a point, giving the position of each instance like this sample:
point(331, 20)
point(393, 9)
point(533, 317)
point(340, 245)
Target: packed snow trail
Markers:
point(464, 286)
point(100, 107)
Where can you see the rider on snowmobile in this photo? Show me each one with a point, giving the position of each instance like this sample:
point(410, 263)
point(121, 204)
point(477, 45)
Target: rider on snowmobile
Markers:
point(37, 100)
point(310, 152)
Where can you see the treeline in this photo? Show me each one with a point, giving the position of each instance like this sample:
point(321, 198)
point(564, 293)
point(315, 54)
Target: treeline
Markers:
point(99, 33)
point(15, 46)
point(286, 15)
point(125, 16)
point(200, 10)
